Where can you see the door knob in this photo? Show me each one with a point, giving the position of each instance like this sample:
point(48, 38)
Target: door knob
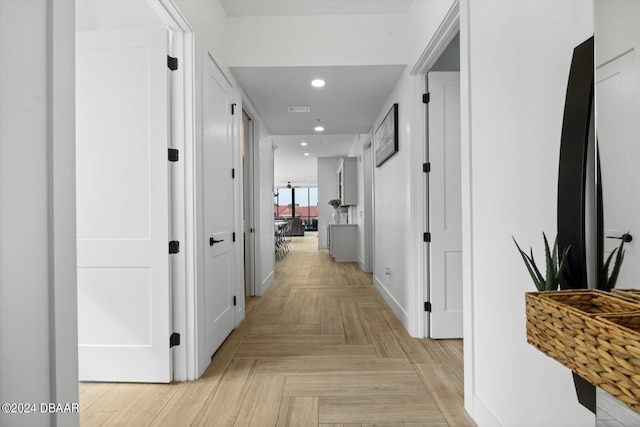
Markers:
point(213, 241)
point(626, 237)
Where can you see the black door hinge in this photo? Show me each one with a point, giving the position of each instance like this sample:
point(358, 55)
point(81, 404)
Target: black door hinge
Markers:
point(234, 300)
point(426, 97)
point(234, 236)
point(233, 109)
point(172, 63)
point(233, 173)
point(174, 247)
point(174, 339)
point(427, 306)
point(173, 154)
point(426, 237)
point(426, 167)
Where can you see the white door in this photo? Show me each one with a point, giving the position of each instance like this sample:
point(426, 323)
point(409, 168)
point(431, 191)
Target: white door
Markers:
point(445, 205)
point(123, 207)
point(617, 128)
point(218, 212)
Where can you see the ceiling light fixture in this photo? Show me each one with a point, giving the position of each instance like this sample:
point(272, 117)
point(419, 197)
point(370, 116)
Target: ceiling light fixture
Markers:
point(317, 83)
point(303, 143)
point(318, 129)
point(306, 154)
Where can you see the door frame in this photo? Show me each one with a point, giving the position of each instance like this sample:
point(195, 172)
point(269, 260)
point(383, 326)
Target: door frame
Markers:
point(248, 195)
point(367, 160)
point(450, 26)
point(254, 176)
point(183, 211)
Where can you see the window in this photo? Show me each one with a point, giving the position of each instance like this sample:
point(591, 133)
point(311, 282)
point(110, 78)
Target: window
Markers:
point(298, 202)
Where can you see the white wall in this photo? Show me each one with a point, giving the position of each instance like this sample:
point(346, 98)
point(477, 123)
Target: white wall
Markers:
point(357, 213)
point(38, 327)
point(265, 232)
point(516, 59)
point(327, 190)
point(392, 208)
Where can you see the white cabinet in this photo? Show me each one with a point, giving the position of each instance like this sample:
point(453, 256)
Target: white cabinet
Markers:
point(347, 175)
point(343, 242)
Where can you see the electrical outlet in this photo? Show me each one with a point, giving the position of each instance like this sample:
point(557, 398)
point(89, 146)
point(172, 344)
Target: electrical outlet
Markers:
point(387, 271)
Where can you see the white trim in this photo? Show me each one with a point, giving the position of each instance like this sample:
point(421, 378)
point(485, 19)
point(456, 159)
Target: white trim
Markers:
point(266, 282)
point(184, 201)
point(447, 30)
point(238, 195)
point(417, 273)
point(61, 194)
point(482, 415)
point(395, 306)
point(467, 206)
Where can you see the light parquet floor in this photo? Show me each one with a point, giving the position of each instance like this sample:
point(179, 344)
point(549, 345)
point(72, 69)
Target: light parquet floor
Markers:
point(320, 348)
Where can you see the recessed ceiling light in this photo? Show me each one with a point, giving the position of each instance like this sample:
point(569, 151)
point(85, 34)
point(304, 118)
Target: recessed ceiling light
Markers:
point(306, 154)
point(318, 129)
point(303, 143)
point(317, 83)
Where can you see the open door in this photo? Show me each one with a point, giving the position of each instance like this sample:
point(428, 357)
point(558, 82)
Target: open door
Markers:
point(445, 205)
point(217, 297)
point(124, 311)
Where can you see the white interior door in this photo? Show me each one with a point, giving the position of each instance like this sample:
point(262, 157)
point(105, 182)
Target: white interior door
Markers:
point(617, 127)
point(445, 205)
point(218, 211)
point(123, 207)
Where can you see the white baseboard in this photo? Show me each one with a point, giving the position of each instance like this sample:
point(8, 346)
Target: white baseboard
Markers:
point(266, 283)
point(362, 266)
point(482, 415)
point(395, 307)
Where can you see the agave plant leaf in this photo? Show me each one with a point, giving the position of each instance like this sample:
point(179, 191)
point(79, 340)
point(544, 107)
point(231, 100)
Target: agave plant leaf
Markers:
point(555, 251)
point(563, 261)
point(605, 269)
point(551, 266)
point(613, 278)
point(537, 278)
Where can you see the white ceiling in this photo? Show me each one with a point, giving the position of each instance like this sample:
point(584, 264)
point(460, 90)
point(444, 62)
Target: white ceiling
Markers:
point(348, 104)
point(290, 163)
point(314, 7)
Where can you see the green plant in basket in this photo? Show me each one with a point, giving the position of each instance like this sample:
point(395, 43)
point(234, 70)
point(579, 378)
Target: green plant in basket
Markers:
point(555, 265)
point(609, 279)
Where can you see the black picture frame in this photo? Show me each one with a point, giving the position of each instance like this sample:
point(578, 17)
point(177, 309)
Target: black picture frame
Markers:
point(386, 137)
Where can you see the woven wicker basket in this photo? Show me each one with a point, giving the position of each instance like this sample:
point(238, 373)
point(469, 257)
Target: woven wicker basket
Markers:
point(632, 294)
point(593, 333)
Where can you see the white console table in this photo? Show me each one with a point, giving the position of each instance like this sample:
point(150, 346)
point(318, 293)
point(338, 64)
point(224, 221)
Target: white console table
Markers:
point(343, 242)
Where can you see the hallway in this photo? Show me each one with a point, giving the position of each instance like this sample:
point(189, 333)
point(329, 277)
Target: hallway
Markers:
point(321, 347)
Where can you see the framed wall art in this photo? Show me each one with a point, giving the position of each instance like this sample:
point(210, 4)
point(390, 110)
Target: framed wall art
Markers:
point(386, 137)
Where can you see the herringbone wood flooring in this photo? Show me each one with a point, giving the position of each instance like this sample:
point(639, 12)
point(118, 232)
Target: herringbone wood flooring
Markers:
point(321, 347)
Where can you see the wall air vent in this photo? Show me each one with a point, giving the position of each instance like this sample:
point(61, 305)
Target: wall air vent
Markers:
point(299, 109)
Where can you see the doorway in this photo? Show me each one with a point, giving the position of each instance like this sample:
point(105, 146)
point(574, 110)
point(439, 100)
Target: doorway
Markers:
point(132, 107)
point(247, 205)
point(443, 310)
